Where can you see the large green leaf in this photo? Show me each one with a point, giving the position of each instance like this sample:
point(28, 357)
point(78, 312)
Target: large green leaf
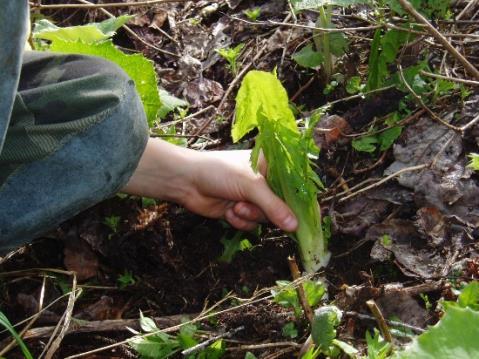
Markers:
point(89, 34)
point(323, 330)
point(140, 69)
point(307, 57)
point(455, 336)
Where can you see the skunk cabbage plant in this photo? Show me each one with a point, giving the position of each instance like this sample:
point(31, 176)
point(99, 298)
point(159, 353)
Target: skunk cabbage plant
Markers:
point(262, 103)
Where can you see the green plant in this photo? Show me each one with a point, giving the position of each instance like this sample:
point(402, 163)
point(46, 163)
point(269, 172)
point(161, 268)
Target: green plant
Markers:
point(231, 54)
point(253, 14)
point(378, 348)
point(473, 161)
point(159, 345)
point(263, 103)
point(289, 330)
point(323, 332)
point(233, 246)
point(329, 45)
point(4, 322)
point(286, 295)
point(126, 279)
point(112, 222)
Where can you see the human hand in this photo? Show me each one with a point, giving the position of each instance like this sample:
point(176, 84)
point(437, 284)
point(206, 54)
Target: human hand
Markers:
point(216, 184)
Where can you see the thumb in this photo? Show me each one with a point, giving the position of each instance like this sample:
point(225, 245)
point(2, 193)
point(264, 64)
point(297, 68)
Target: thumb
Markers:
point(274, 208)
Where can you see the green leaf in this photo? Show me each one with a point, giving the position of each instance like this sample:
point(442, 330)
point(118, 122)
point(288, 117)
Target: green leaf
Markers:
point(365, 144)
point(353, 86)
point(474, 161)
point(307, 57)
point(289, 330)
point(348, 349)
point(169, 103)
point(186, 336)
point(323, 330)
point(138, 68)
point(287, 296)
point(89, 34)
point(312, 353)
point(338, 43)
point(233, 246)
point(454, 336)
point(378, 348)
point(387, 138)
point(4, 322)
point(249, 355)
point(469, 296)
point(154, 347)
point(147, 324)
point(214, 351)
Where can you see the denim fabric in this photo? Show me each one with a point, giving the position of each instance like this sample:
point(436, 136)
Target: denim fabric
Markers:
point(89, 165)
point(13, 30)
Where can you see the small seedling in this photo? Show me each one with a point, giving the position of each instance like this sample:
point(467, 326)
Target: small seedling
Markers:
point(231, 54)
point(126, 279)
point(285, 295)
point(233, 246)
point(252, 14)
point(112, 222)
point(474, 161)
point(289, 330)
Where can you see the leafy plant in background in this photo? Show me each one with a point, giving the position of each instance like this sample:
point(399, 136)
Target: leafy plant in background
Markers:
point(328, 45)
point(95, 39)
point(4, 322)
point(231, 54)
point(112, 222)
point(262, 103)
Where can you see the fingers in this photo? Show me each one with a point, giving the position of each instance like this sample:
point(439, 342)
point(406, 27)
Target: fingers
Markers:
point(249, 212)
point(238, 222)
point(272, 206)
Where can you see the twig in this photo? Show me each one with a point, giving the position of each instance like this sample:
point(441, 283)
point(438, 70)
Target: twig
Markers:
point(439, 37)
point(392, 323)
point(385, 179)
point(204, 344)
point(303, 88)
point(323, 29)
point(96, 6)
point(308, 312)
point(380, 320)
point(466, 10)
point(449, 78)
point(66, 318)
point(189, 117)
point(264, 346)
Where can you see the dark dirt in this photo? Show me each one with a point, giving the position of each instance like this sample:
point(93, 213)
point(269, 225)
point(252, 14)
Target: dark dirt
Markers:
point(172, 255)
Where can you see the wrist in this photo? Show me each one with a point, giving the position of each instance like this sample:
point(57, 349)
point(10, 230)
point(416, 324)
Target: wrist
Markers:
point(165, 172)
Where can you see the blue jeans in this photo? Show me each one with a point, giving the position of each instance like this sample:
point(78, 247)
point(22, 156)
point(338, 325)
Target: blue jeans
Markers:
point(77, 133)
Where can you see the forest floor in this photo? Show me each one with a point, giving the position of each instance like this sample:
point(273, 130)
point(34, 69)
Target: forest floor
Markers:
point(404, 216)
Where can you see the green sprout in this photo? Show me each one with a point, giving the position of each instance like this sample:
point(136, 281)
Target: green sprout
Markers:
point(231, 54)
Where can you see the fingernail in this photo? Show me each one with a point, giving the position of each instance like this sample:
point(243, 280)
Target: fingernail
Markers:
point(290, 224)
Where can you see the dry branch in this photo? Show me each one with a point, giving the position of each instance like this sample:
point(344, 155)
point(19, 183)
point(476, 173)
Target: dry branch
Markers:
point(439, 37)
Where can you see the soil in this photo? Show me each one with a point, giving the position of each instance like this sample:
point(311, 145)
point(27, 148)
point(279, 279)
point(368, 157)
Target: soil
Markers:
point(169, 257)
